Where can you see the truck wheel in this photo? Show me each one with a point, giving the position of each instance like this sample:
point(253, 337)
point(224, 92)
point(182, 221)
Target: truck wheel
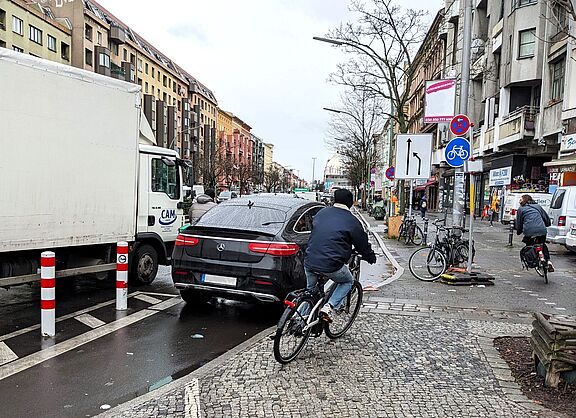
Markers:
point(144, 265)
point(193, 297)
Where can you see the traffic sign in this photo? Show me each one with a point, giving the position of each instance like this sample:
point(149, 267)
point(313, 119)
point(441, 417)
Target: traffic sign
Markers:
point(460, 125)
point(390, 173)
point(457, 151)
point(413, 153)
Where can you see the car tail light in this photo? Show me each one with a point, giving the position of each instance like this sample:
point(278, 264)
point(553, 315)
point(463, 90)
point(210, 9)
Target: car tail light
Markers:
point(186, 241)
point(562, 221)
point(512, 211)
point(273, 248)
point(263, 282)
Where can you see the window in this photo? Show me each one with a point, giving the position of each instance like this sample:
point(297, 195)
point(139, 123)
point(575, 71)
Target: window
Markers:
point(153, 72)
point(99, 38)
point(527, 43)
point(2, 44)
point(125, 55)
point(17, 26)
point(103, 60)
point(146, 87)
point(165, 81)
point(560, 17)
point(115, 49)
point(558, 80)
point(88, 32)
point(2, 19)
point(65, 51)
point(139, 65)
point(88, 56)
point(520, 3)
point(165, 178)
point(15, 48)
point(51, 43)
point(35, 35)
point(557, 199)
point(304, 222)
point(146, 68)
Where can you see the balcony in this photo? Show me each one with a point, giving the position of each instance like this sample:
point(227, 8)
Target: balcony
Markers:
point(517, 125)
point(117, 71)
point(488, 139)
point(117, 35)
point(476, 144)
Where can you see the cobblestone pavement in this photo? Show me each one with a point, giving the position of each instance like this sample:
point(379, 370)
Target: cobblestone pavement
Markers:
point(388, 365)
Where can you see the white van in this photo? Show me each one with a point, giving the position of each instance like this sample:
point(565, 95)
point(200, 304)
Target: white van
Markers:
point(562, 212)
point(512, 203)
point(571, 238)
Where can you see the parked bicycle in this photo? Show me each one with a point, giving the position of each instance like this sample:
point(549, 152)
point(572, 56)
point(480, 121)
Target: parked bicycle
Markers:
point(301, 320)
point(449, 249)
point(409, 231)
point(533, 255)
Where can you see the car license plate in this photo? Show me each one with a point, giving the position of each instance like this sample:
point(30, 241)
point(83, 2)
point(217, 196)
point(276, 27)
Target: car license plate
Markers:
point(223, 280)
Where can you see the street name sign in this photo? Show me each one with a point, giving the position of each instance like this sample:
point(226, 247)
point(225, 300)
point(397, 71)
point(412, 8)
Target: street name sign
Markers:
point(457, 151)
point(413, 156)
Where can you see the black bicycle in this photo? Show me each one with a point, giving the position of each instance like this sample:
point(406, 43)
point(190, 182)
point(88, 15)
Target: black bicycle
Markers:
point(301, 319)
point(409, 231)
point(534, 256)
point(449, 249)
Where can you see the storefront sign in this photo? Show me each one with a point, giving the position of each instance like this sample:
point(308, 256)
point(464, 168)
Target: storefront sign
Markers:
point(439, 101)
point(568, 143)
point(500, 176)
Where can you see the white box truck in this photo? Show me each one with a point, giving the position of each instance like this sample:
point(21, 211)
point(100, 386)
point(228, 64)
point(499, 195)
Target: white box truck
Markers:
point(76, 175)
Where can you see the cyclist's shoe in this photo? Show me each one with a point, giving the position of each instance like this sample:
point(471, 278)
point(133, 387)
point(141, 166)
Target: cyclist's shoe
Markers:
point(326, 313)
point(550, 267)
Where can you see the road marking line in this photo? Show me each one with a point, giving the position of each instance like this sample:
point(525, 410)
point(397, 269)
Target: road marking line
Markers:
point(148, 299)
point(560, 309)
point(32, 360)
point(171, 295)
point(192, 400)
point(550, 303)
point(6, 355)
point(162, 306)
point(90, 320)
point(542, 298)
point(62, 318)
point(534, 295)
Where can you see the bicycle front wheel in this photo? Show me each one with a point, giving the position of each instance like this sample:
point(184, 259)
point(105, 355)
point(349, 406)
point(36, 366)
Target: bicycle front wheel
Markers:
point(427, 264)
point(343, 318)
point(290, 336)
point(417, 235)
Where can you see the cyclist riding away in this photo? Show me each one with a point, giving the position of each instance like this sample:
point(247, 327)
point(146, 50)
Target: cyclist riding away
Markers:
point(335, 231)
point(532, 220)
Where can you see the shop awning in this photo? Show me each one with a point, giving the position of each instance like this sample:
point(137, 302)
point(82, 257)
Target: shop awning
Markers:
point(428, 183)
point(569, 160)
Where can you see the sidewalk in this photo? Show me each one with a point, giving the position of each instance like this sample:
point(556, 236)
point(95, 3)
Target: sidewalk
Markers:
point(404, 357)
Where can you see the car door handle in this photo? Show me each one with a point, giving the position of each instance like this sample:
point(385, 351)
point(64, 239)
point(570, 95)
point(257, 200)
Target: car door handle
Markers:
point(151, 220)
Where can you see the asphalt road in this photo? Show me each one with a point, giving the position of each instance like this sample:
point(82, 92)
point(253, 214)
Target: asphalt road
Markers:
point(121, 364)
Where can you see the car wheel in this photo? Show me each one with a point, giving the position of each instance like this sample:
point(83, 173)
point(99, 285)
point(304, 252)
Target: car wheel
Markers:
point(193, 297)
point(144, 265)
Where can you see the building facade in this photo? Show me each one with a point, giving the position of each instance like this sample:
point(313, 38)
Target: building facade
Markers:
point(34, 29)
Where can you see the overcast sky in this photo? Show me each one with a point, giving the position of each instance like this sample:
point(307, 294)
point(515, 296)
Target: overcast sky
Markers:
point(259, 59)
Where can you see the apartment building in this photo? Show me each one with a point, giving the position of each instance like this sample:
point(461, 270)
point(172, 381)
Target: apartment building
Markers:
point(257, 144)
point(268, 156)
point(34, 29)
point(520, 73)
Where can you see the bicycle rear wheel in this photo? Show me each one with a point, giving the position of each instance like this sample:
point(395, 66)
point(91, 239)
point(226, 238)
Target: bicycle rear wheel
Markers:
point(542, 271)
point(343, 318)
point(290, 336)
point(427, 264)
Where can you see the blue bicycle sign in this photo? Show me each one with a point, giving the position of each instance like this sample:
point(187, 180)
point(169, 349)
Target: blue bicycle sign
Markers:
point(457, 151)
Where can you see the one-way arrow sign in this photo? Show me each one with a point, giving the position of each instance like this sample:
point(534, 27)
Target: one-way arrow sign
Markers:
point(413, 156)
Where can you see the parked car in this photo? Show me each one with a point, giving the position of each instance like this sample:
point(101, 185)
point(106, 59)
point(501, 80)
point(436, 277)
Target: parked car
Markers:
point(244, 248)
point(571, 237)
point(512, 203)
point(562, 212)
point(226, 195)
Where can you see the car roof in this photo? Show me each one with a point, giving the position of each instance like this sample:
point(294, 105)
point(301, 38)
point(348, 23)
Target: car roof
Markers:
point(273, 202)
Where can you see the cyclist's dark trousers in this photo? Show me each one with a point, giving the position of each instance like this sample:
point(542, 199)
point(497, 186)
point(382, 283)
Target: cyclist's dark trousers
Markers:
point(540, 239)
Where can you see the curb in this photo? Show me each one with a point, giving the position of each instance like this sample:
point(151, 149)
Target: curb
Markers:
point(399, 269)
point(196, 374)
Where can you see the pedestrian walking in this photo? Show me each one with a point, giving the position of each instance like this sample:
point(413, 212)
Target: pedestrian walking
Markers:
point(493, 210)
point(203, 204)
point(423, 205)
point(485, 212)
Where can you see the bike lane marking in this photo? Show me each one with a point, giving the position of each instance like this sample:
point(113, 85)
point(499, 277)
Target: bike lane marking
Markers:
point(6, 354)
point(24, 363)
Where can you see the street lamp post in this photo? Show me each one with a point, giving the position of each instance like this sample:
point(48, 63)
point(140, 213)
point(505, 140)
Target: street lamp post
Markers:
point(313, 169)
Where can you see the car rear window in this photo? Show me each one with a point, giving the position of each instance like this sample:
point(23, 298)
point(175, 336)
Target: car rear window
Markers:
point(255, 218)
point(557, 199)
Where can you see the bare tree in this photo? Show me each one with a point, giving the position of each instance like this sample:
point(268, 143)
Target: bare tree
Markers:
point(356, 130)
point(272, 179)
point(243, 174)
point(384, 41)
point(224, 168)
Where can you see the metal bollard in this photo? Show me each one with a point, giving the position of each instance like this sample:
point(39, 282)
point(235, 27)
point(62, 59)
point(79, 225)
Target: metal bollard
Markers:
point(122, 276)
point(48, 293)
point(425, 232)
point(510, 233)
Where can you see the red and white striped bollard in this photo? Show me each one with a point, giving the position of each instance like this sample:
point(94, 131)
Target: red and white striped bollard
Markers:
point(122, 276)
point(48, 293)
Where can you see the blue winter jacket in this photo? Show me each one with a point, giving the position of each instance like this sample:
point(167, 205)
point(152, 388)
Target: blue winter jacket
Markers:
point(334, 232)
point(532, 220)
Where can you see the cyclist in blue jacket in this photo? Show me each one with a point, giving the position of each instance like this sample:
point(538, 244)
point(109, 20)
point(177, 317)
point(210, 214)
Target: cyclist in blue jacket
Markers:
point(532, 220)
point(335, 231)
